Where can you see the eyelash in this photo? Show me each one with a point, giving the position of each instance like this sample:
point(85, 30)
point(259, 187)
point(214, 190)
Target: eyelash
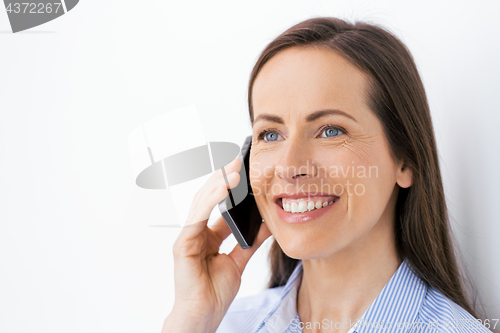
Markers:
point(322, 129)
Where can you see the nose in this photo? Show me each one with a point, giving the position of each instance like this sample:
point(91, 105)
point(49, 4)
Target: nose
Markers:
point(295, 162)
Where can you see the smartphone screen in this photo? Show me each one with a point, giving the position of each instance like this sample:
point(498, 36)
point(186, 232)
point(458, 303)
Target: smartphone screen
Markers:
point(239, 208)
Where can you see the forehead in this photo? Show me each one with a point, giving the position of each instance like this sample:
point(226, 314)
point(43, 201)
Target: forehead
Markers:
point(302, 80)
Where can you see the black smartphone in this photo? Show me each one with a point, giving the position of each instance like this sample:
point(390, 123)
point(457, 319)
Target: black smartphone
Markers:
point(239, 208)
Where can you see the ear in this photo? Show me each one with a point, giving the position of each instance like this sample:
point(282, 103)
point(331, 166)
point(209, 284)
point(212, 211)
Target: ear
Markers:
point(404, 176)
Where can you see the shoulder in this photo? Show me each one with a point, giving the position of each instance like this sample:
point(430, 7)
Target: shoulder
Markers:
point(439, 314)
point(246, 313)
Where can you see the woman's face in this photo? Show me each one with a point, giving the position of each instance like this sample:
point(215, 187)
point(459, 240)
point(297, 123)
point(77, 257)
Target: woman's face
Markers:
point(316, 141)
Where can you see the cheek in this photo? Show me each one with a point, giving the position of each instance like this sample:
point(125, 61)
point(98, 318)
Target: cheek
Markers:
point(371, 180)
point(258, 182)
point(261, 174)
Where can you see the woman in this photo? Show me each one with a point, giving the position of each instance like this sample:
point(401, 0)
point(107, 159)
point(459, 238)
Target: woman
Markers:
point(346, 177)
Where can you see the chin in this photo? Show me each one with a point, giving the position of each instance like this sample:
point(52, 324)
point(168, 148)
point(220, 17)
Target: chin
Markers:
point(303, 246)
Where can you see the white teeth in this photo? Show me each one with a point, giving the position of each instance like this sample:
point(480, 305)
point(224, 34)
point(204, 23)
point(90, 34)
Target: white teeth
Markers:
point(319, 204)
point(304, 206)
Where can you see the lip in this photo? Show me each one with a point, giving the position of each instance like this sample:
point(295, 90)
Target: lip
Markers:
point(306, 216)
point(303, 195)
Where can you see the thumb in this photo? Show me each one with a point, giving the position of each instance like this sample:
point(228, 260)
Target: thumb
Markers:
point(242, 256)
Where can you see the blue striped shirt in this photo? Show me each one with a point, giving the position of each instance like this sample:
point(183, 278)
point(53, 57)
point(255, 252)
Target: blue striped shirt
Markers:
point(405, 304)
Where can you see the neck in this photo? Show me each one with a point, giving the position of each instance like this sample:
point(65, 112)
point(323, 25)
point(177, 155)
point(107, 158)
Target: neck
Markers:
point(340, 288)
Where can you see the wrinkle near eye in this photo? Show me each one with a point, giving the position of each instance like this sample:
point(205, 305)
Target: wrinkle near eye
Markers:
point(333, 143)
point(361, 150)
point(258, 149)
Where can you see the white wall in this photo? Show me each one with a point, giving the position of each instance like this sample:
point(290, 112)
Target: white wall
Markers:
point(76, 250)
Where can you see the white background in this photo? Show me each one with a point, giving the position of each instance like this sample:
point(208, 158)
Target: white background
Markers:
point(77, 253)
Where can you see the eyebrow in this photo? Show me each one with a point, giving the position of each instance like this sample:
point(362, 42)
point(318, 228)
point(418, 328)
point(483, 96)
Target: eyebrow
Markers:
point(310, 118)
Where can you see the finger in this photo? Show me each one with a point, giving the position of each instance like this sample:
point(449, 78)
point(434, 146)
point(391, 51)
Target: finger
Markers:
point(221, 229)
point(226, 177)
point(212, 192)
point(242, 256)
point(204, 202)
point(218, 176)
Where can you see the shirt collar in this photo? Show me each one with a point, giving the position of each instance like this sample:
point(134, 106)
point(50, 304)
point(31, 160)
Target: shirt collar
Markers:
point(396, 307)
point(282, 315)
point(397, 304)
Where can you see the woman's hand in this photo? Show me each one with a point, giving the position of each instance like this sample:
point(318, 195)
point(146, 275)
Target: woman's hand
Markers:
point(206, 281)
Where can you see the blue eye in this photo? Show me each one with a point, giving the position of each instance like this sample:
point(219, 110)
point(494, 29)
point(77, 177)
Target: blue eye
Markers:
point(332, 131)
point(271, 136)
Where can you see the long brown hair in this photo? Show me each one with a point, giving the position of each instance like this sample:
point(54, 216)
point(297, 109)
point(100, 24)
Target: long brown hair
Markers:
point(398, 99)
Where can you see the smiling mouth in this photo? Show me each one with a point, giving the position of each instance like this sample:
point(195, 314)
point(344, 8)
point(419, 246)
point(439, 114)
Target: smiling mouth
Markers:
point(304, 205)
